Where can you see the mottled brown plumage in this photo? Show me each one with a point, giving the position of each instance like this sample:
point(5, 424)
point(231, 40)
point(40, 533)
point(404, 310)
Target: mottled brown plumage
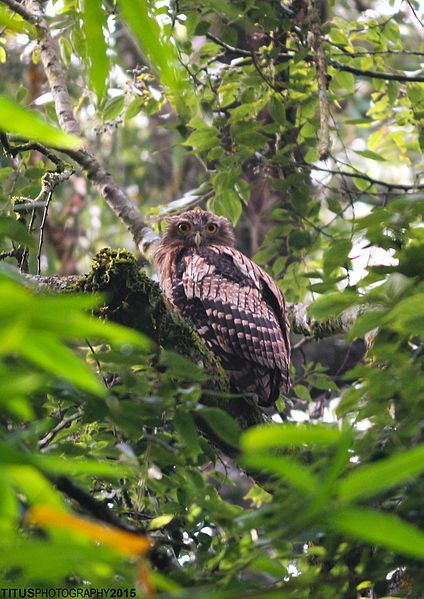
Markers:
point(236, 307)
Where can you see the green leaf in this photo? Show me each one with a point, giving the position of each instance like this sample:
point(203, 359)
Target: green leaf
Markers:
point(336, 255)
point(228, 204)
point(157, 47)
point(5, 173)
point(160, 521)
point(370, 154)
point(277, 111)
point(332, 304)
point(411, 260)
point(94, 20)
point(290, 470)
point(14, 22)
point(29, 124)
point(302, 392)
point(134, 108)
point(343, 80)
point(379, 529)
point(407, 315)
point(283, 435)
point(184, 425)
point(33, 484)
point(181, 367)
point(113, 108)
point(46, 351)
point(366, 322)
point(321, 381)
point(16, 231)
point(204, 138)
point(221, 423)
point(362, 184)
point(366, 481)
point(9, 454)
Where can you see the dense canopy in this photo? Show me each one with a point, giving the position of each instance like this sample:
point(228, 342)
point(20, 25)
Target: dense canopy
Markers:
point(125, 462)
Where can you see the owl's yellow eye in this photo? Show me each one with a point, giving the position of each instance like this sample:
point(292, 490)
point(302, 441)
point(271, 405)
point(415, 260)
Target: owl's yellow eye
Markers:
point(184, 227)
point(211, 228)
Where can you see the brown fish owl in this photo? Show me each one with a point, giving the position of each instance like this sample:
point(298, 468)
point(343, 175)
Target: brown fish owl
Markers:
point(235, 306)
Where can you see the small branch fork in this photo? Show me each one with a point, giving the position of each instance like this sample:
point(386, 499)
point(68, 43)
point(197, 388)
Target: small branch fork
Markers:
point(49, 182)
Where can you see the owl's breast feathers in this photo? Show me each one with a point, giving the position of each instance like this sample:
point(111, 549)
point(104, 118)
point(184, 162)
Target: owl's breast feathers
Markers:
point(239, 312)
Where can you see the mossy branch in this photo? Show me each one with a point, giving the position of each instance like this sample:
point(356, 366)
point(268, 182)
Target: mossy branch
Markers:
point(135, 300)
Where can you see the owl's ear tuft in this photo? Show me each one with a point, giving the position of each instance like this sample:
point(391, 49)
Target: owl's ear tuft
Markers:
point(170, 219)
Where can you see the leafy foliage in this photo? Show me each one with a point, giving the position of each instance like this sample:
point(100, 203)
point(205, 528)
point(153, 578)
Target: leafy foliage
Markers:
point(105, 434)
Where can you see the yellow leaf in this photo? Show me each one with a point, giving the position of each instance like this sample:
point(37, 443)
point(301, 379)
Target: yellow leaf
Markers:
point(126, 543)
point(144, 579)
point(160, 521)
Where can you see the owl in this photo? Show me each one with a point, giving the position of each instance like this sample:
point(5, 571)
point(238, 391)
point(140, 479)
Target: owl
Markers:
point(235, 306)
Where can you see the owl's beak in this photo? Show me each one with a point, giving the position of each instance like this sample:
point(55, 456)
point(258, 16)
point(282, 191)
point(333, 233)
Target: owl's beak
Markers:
point(197, 239)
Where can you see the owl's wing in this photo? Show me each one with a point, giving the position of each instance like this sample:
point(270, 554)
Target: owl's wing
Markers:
point(241, 305)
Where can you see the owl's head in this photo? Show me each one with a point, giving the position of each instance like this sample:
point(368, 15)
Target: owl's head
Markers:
point(198, 228)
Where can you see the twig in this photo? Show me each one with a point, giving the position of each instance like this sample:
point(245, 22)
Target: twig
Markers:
point(102, 512)
point(364, 177)
point(23, 264)
point(27, 206)
point(64, 423)
point(28, 147)
point(99, 366)
point(357, 53)
point(49, 182)
point(414, 12)
point(233, 49)
point(262, 74)
point(240, 51)
point(143, 234)
point(374, 74)
point(42, 225)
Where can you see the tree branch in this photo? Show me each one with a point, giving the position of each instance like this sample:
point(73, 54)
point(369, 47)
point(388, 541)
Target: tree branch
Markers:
point(374, 74)
point(94, 507)
point(163, 560)
point(50, 58)
point(324, 111)
point(301, 323)
point(64, 423)
point(358, 175)
point(29, 147)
